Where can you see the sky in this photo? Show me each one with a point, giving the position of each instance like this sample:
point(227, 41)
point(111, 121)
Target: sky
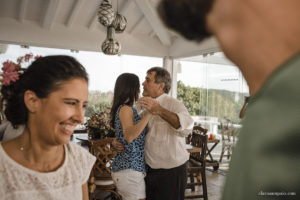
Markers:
point(103, 69)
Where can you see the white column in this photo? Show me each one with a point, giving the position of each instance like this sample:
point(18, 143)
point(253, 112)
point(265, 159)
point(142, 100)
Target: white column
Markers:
point(172, 66)
point(3, 48)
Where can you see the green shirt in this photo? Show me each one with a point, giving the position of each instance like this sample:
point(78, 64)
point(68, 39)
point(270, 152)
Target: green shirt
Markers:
point(266, 160)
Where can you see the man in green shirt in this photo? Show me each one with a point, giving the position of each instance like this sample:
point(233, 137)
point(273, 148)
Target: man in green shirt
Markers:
point(263, 39)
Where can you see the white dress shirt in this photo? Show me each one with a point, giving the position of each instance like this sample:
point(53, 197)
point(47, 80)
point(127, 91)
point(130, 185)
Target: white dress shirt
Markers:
point(165, 146)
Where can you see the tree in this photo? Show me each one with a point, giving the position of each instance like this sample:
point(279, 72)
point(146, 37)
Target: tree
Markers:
point(98, 101)
point(208, 102)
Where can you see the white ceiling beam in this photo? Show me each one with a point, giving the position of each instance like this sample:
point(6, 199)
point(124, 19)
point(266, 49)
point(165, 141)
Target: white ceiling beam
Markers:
point(139, 21)
point(78, 38)
point(50, 14)
point(154, 20)
point(93, 21)
point(22, 11)
point(182, 48)
point(125, 7)
point(152, 34)
point(113, 3)
point(74, 13)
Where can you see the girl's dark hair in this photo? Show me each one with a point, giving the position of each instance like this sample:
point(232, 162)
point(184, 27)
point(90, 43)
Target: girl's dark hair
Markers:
point(43, 76)
point(127, 87)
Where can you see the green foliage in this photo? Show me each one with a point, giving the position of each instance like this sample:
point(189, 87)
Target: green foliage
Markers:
point(199, 101)
point(98, 101)
point(208, 102)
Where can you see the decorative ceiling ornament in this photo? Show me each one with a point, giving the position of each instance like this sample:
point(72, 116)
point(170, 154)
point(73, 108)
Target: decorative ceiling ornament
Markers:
point(106, 14)
point(111, 46)
point(119, 23)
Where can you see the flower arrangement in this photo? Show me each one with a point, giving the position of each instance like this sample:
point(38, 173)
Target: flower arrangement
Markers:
point(98, 125)
point(11, 70)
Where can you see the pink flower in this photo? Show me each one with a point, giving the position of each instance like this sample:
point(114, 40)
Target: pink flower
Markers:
point(28, 56)
point(37, 57)
point(10, 76)
point(9, 66)
point(11, 69)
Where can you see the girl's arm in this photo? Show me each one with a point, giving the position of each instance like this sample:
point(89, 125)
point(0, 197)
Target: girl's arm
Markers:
point(130, 130)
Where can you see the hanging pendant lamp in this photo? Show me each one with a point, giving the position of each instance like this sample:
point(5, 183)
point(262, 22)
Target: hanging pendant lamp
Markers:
point(106, 14)
point(111, 46)
point(119, 23)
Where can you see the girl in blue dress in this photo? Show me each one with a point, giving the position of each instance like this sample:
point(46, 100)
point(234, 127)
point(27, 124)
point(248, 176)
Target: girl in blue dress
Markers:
point(128, 168)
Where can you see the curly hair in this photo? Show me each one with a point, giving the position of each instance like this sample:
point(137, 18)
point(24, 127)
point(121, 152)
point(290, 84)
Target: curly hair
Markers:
point(43, 76)
point(188, 17)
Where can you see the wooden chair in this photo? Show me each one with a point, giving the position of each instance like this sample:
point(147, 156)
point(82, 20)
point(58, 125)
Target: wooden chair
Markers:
point(199, 129)
point(196, 166)
point(210, 162)
point(228, 142)
point(100, 177)
point(196, 129)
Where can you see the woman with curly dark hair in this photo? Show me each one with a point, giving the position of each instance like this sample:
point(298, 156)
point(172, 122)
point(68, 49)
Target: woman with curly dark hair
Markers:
point(49, 99)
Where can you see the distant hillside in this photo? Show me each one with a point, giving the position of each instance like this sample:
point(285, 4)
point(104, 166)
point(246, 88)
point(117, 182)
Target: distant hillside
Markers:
point(199, 101)
point(98, 101)
point(216, 103)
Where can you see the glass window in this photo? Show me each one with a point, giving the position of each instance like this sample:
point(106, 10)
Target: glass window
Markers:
point(103, 70)
point(212, 89)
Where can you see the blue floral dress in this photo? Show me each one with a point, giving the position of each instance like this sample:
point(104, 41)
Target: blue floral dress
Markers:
point(133, 155)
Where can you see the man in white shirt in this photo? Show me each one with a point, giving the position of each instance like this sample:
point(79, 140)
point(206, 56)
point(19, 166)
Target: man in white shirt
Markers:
point(165, 152)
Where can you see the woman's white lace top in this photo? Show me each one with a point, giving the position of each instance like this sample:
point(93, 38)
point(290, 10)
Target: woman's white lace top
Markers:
point(18, 182)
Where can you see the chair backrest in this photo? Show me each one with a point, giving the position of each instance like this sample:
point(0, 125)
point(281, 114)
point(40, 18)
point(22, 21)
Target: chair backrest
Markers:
point(199, 140)
point(104, 153)
point(196, 129)
point(229, 134)
point(199, 129)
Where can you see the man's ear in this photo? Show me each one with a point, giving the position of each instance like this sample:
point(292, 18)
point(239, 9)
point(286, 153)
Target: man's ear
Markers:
point(162, 86)
point(31, 101)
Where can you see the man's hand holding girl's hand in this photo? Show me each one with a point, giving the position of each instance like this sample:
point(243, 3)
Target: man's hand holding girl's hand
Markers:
point(150, 104)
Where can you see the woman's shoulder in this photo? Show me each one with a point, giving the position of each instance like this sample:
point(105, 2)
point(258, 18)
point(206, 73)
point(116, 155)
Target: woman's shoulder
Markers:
point(81, 159)
point(126, 109)
point(121, 107)
point(76, 149)
point(78, 153)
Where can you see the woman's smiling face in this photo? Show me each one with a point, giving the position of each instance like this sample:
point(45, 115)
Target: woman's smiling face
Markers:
point(59, 113)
